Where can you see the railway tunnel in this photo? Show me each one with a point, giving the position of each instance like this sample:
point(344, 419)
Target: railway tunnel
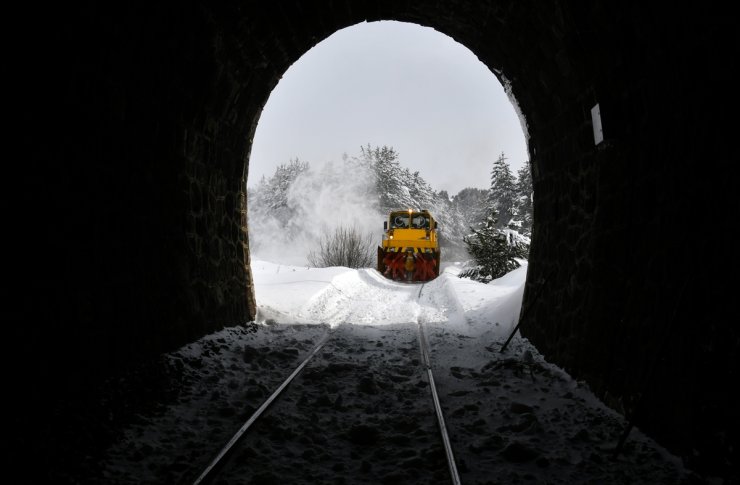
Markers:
point(134, 134)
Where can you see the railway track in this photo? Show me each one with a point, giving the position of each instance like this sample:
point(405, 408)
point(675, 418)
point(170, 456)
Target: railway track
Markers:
point(394, 389)
point(360, 411)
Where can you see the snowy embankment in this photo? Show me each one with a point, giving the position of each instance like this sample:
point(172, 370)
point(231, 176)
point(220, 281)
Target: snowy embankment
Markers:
point(333, 296)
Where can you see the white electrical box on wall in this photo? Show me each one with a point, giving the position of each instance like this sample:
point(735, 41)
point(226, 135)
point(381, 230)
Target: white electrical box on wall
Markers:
point(596, 121)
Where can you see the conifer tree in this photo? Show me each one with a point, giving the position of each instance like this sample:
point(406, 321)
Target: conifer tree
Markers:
point(274, 204)
point(271, 195)
point(503, 192)
point(399, 188)
point(493, 249)
point(388, 175)
point(268, 203)
point(472, 204)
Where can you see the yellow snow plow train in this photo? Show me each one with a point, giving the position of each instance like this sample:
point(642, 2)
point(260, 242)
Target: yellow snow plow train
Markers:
point(409, 250)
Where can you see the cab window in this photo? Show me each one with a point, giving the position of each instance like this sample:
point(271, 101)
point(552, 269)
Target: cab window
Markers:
point(400, 221)
point(420, 221)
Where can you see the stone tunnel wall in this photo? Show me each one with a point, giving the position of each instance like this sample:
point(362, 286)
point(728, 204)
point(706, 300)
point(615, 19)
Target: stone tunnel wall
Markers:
point(629, 303)
point(138, 125)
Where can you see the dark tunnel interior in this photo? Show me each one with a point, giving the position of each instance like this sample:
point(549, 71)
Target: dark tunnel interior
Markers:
point(128, 207)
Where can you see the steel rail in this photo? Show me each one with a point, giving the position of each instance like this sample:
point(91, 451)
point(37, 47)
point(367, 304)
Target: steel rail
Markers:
point(258, 413)
point(437, 407)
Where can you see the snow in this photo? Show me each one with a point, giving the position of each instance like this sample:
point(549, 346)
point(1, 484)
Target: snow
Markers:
point(361, 409)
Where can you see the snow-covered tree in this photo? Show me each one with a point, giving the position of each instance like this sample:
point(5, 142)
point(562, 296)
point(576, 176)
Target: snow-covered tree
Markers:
point(390, 178)
point(375, 181)
point(399, 188)
point(271, 195)
point(494, 251)
point(451, 227)
point(269, 205)
point(494, 247)
point(502, 195)
point(472, 203)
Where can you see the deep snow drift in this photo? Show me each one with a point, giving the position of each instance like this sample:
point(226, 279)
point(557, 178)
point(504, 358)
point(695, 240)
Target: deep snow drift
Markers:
point(361, 411)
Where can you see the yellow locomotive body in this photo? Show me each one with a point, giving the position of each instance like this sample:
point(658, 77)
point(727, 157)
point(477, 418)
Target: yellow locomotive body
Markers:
point(410, 249)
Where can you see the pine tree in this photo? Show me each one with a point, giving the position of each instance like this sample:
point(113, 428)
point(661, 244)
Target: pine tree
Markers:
point(503, 192)
point(492, 248)
point(420, 191)
point(472, 204)
point(389, 176)
point(492, 251)
point(376, 176)
point(451, 224)
point(268, 203)
point(272, 195)
point(399, 188)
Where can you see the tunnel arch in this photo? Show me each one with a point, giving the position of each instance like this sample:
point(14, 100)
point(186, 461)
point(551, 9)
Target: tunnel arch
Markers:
point(146, 163)
point(396, 83)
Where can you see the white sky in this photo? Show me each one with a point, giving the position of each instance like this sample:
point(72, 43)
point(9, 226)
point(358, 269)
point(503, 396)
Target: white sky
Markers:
point(395, 84)
point(505, 423)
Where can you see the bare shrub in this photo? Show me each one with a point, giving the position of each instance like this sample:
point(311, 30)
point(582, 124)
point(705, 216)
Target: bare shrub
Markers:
point(346, 246)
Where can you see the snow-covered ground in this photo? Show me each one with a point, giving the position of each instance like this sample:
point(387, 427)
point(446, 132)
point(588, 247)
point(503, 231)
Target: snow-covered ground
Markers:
point(361, 410)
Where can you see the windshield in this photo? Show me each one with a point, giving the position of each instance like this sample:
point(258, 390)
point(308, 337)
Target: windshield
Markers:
point(419, 221)
point(401, 221)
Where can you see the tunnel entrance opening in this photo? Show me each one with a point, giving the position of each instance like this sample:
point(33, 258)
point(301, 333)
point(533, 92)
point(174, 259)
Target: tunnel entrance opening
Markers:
point(443, 115)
